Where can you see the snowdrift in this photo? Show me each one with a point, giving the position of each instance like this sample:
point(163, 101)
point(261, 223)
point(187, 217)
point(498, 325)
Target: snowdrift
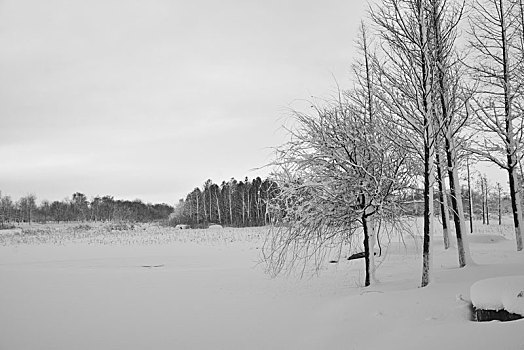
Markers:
point(499, 298)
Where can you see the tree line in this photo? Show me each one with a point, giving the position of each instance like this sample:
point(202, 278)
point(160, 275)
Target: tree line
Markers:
point(421, 108)
point(79, 208)
point(232, 203)
point(483, 202)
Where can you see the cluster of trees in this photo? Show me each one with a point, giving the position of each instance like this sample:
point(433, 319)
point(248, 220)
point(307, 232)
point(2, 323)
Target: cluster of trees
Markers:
point(233, 203)
point(482, 202)
point(79, 208)
point(418, 112)
point(485, 200)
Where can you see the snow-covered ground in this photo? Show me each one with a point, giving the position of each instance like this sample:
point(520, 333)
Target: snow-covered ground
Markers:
point(164, 289)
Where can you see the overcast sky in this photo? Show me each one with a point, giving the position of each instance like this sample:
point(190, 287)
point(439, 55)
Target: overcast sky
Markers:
point(148, 99)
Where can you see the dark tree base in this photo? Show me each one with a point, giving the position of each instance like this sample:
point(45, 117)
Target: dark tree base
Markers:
point(481, 315)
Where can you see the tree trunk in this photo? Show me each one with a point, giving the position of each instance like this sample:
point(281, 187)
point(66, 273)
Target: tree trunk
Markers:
point(258, 205)
point(443, 202)
point(483, 201)
point(230, 206)
point(218, 207)
point(456, 203)
point(249, 204)
point(190, 212)
point(197, 209)
point(500, 203)
point(366, 250)
point(210, 205)
point(428, 211)
point(243, 211)
point(369, 243)
point(487, 199)
point(516, 206)
point(429, 146)
point(204, 206)
point(267, 215)
point(470, 200)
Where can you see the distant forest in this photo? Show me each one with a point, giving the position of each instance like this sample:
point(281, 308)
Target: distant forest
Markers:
point(232, 203)
point(79, 208)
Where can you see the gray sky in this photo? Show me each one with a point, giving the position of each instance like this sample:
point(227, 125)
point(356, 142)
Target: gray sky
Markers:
point(148, 99)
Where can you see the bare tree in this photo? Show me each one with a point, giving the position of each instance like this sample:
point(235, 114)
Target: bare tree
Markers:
point(341, 171)
point(407, 89)
point(27, 206)
point(445, 16)
point(45, 205)
point(338, 176)
point(497, 69)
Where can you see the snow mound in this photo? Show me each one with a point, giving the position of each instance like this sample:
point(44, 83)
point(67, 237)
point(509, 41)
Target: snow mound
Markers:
point(215, 227)
point(485, 238)
point(500, 293)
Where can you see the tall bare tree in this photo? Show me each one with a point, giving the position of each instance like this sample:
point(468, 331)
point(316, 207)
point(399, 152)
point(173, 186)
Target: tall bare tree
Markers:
point(407, 89)
point(497, 68)
point(445, 15)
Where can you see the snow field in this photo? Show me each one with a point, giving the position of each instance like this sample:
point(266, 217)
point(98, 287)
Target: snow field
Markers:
point(90, 290)
point(122, 234)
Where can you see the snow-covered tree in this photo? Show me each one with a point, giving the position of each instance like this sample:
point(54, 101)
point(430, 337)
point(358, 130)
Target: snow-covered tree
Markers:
point(498, 44)
point(407, 89)
point(449, 104)
point(339, 174)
